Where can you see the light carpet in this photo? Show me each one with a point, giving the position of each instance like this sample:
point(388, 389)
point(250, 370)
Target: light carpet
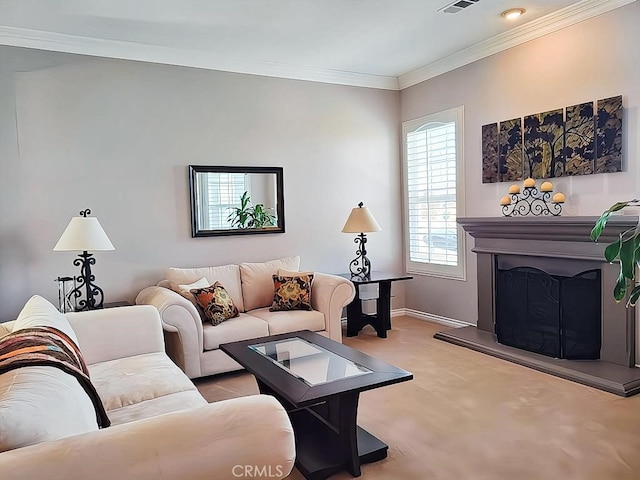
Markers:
point(467, 415)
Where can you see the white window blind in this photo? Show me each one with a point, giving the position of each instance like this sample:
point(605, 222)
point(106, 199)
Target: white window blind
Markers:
point(222, 192)
point(432, 156)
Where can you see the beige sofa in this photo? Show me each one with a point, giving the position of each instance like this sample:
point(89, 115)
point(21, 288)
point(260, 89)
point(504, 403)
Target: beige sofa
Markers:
point(194, 345)
point(161, 427)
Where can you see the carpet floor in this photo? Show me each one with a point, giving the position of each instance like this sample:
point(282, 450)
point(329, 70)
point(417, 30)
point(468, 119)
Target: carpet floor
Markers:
point(467, 415)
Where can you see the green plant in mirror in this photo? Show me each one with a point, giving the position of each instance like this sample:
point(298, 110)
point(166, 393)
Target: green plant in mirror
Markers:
point(626, 250)
point(250, 216)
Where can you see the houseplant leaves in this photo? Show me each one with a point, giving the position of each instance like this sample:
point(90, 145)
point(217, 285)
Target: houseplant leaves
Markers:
point(625, 250)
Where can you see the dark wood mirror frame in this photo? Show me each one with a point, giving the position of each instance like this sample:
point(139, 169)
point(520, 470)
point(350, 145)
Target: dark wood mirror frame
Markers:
point(198, 206)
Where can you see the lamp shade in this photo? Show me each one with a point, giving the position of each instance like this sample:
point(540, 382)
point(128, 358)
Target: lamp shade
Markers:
point(361, 221)
point(84, 234)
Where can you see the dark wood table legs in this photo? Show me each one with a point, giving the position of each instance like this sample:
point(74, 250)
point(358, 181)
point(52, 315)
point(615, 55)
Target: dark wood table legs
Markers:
point(381, 321)
point(328, 439)
point(318, 382)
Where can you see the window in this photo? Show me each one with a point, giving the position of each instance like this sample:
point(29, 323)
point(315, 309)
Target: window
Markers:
point(223, 192)
point(433, 194)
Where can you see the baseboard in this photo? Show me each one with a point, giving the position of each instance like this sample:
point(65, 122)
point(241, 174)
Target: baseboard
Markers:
point(430, 317)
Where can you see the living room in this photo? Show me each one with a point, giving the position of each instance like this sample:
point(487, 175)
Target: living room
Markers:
point(120, 134)
point(117, 136)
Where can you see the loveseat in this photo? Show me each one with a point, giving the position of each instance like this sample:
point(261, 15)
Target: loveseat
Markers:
point(193, 344)
point(161, 427)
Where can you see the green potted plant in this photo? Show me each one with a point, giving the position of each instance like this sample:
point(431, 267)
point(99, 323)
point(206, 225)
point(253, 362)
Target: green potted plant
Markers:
point(250, 216)
point(626, 249)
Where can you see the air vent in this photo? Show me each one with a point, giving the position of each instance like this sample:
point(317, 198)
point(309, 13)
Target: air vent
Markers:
point(458, 6)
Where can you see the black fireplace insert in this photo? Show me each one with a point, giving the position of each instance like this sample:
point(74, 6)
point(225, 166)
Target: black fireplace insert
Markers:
point(549, 314)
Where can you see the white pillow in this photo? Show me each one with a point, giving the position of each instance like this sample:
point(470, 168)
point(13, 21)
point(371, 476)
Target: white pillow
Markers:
point(257, 280)
point(42, 403)
point(185, 290)
point(227, 275)
point(202, 283)
point(39, 312)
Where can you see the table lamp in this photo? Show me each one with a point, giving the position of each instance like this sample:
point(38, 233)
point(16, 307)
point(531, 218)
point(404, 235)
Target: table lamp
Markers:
point(361, 221)
point(84, 233)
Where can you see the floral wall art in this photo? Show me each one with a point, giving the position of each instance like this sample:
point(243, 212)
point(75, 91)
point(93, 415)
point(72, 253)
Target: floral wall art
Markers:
point(609, 135)
point(579, 137)
point(577, 140)
point(490, 163)
point(510, 147)
point(544, 145)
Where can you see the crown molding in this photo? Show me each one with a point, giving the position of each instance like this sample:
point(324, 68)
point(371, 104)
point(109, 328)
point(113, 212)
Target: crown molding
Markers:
point(59, 42)
point(537, 28)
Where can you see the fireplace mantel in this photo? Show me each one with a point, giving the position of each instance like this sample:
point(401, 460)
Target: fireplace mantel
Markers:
point(566, 229)
point(557, 237)
point(553, 243)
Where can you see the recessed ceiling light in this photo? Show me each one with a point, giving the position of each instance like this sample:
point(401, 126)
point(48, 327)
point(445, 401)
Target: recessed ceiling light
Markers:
point(513, 13)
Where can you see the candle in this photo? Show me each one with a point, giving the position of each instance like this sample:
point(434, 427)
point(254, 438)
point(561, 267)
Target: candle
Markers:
point(506, 200)
point(559, 198)
point(546, 187)
point(514, 189)
point(529, 182)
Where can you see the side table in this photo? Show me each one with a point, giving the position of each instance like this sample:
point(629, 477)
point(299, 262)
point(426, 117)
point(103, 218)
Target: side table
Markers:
point(123, 303)
point(381, 321)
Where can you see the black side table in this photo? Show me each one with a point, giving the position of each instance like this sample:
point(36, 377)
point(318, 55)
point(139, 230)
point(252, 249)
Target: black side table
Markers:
point(381, 321)
point(122, 303)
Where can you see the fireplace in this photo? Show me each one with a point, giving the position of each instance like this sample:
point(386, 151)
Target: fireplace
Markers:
point(554, 315)
point(545, 300)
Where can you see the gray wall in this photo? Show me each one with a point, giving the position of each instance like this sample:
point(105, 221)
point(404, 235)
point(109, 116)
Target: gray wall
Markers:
point(117, 136)
point(595, 59)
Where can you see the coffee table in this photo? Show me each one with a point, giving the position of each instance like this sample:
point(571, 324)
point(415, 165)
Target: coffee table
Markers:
point(318, 381)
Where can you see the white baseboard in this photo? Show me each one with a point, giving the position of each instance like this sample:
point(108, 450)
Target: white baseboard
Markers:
point(430, 317)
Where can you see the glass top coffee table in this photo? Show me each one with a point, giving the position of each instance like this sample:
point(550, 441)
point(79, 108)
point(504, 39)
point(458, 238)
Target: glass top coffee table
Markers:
point(319, 381)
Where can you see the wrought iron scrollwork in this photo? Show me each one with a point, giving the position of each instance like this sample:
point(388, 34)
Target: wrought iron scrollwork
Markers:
point(531, 202)
point(94, 296)
point(360, 266)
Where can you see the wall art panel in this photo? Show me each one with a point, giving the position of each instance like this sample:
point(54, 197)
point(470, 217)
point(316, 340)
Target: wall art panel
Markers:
point(544, 144)
point(490, 158)
point(511, 150)
point(579, 139)
point(609, 135)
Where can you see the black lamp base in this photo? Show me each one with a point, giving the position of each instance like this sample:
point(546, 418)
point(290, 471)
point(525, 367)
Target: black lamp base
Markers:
point(94, 297)
point(360, 266)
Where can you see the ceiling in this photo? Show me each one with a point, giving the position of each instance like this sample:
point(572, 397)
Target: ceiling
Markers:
point(388, 44)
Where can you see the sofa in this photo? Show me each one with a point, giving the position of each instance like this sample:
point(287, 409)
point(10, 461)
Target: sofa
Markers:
point(194, 345)
point(161, 427)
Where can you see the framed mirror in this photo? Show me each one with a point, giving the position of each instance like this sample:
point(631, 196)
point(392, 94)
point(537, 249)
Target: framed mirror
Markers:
point(236, 200)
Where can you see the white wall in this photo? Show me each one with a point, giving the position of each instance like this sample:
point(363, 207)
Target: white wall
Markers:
point(592, 60)
point(117, 136)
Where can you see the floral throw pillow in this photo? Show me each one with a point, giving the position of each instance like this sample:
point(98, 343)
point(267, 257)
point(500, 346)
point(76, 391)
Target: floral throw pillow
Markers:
point(215, 303)
point(291, 293)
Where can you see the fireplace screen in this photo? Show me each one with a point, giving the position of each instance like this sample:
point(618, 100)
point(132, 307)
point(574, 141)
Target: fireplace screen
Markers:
point(549, 314)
